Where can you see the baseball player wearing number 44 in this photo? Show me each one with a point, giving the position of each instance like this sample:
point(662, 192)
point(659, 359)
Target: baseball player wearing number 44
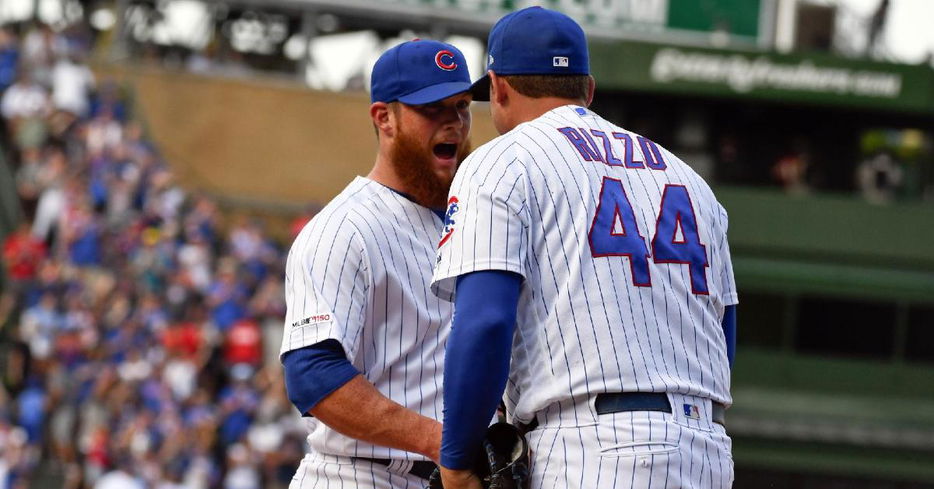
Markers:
point(592, 283)
point(364, 337)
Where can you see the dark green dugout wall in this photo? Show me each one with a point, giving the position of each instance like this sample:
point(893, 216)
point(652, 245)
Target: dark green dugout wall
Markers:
point(803, 402)
point(831, 245)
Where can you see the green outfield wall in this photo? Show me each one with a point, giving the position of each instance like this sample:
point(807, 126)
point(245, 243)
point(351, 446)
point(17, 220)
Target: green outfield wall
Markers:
point(831, 245)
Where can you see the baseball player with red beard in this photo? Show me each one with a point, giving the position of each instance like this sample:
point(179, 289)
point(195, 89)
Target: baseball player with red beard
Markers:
point(592, 283)
point(364, 337)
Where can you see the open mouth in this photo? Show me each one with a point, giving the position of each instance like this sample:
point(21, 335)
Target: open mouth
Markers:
point(445, 151)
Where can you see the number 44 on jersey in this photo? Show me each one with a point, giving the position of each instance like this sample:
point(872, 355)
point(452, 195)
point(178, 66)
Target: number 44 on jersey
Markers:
point(676, 212)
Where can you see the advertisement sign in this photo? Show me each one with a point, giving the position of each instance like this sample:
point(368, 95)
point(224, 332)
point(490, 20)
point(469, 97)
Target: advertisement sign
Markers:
point(800, 78)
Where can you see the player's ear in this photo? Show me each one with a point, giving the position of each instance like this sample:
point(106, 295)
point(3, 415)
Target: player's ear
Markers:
point(591, 89)
point(381, 115)
point(498, 89)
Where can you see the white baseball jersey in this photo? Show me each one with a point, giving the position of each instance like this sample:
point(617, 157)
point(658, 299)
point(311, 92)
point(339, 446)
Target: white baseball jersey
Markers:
point(624, 256)
point(359, 273)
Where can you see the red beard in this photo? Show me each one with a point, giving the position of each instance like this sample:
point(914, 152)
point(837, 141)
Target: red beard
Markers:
point(413, 164)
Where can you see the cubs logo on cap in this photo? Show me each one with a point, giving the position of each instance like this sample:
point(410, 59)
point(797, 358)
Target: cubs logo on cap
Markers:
point(418, 72)
point(534, 41)
point(445, 60)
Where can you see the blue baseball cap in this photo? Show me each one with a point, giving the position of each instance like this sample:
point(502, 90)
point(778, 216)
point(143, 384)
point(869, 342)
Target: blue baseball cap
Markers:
point(534, 41)
point(419, 72)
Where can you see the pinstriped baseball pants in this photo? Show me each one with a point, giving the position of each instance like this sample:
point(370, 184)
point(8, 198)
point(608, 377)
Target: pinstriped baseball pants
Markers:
point(638, 450)
point(319, 471)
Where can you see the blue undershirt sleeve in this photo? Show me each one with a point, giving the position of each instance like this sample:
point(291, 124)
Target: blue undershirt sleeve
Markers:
point(476, 362)
point(729, 332)
point(315, 371)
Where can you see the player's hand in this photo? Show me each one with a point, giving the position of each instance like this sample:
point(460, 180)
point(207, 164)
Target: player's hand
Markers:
point(459, 479)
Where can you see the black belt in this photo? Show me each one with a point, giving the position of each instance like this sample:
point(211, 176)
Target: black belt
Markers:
point(420, 468)
point(638, 401)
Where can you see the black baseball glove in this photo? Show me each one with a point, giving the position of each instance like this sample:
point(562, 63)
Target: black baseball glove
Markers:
point(506, 461)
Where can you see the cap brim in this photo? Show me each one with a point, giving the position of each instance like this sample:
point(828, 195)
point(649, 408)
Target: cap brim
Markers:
point(481, 89)
point(435, 93)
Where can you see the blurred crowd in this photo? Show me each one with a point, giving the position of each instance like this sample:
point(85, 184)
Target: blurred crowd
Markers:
point(140, 326)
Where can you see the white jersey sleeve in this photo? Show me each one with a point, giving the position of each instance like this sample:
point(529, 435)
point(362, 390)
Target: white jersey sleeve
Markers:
point(724, 263)
point(487, 218)
point(326, 286)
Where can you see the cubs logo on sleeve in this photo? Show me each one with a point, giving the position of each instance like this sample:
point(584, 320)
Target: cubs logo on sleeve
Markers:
point(448, 230)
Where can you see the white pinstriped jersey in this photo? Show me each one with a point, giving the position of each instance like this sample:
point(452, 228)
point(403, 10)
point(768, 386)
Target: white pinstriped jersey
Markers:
point(624, 256)
point(359, 273)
